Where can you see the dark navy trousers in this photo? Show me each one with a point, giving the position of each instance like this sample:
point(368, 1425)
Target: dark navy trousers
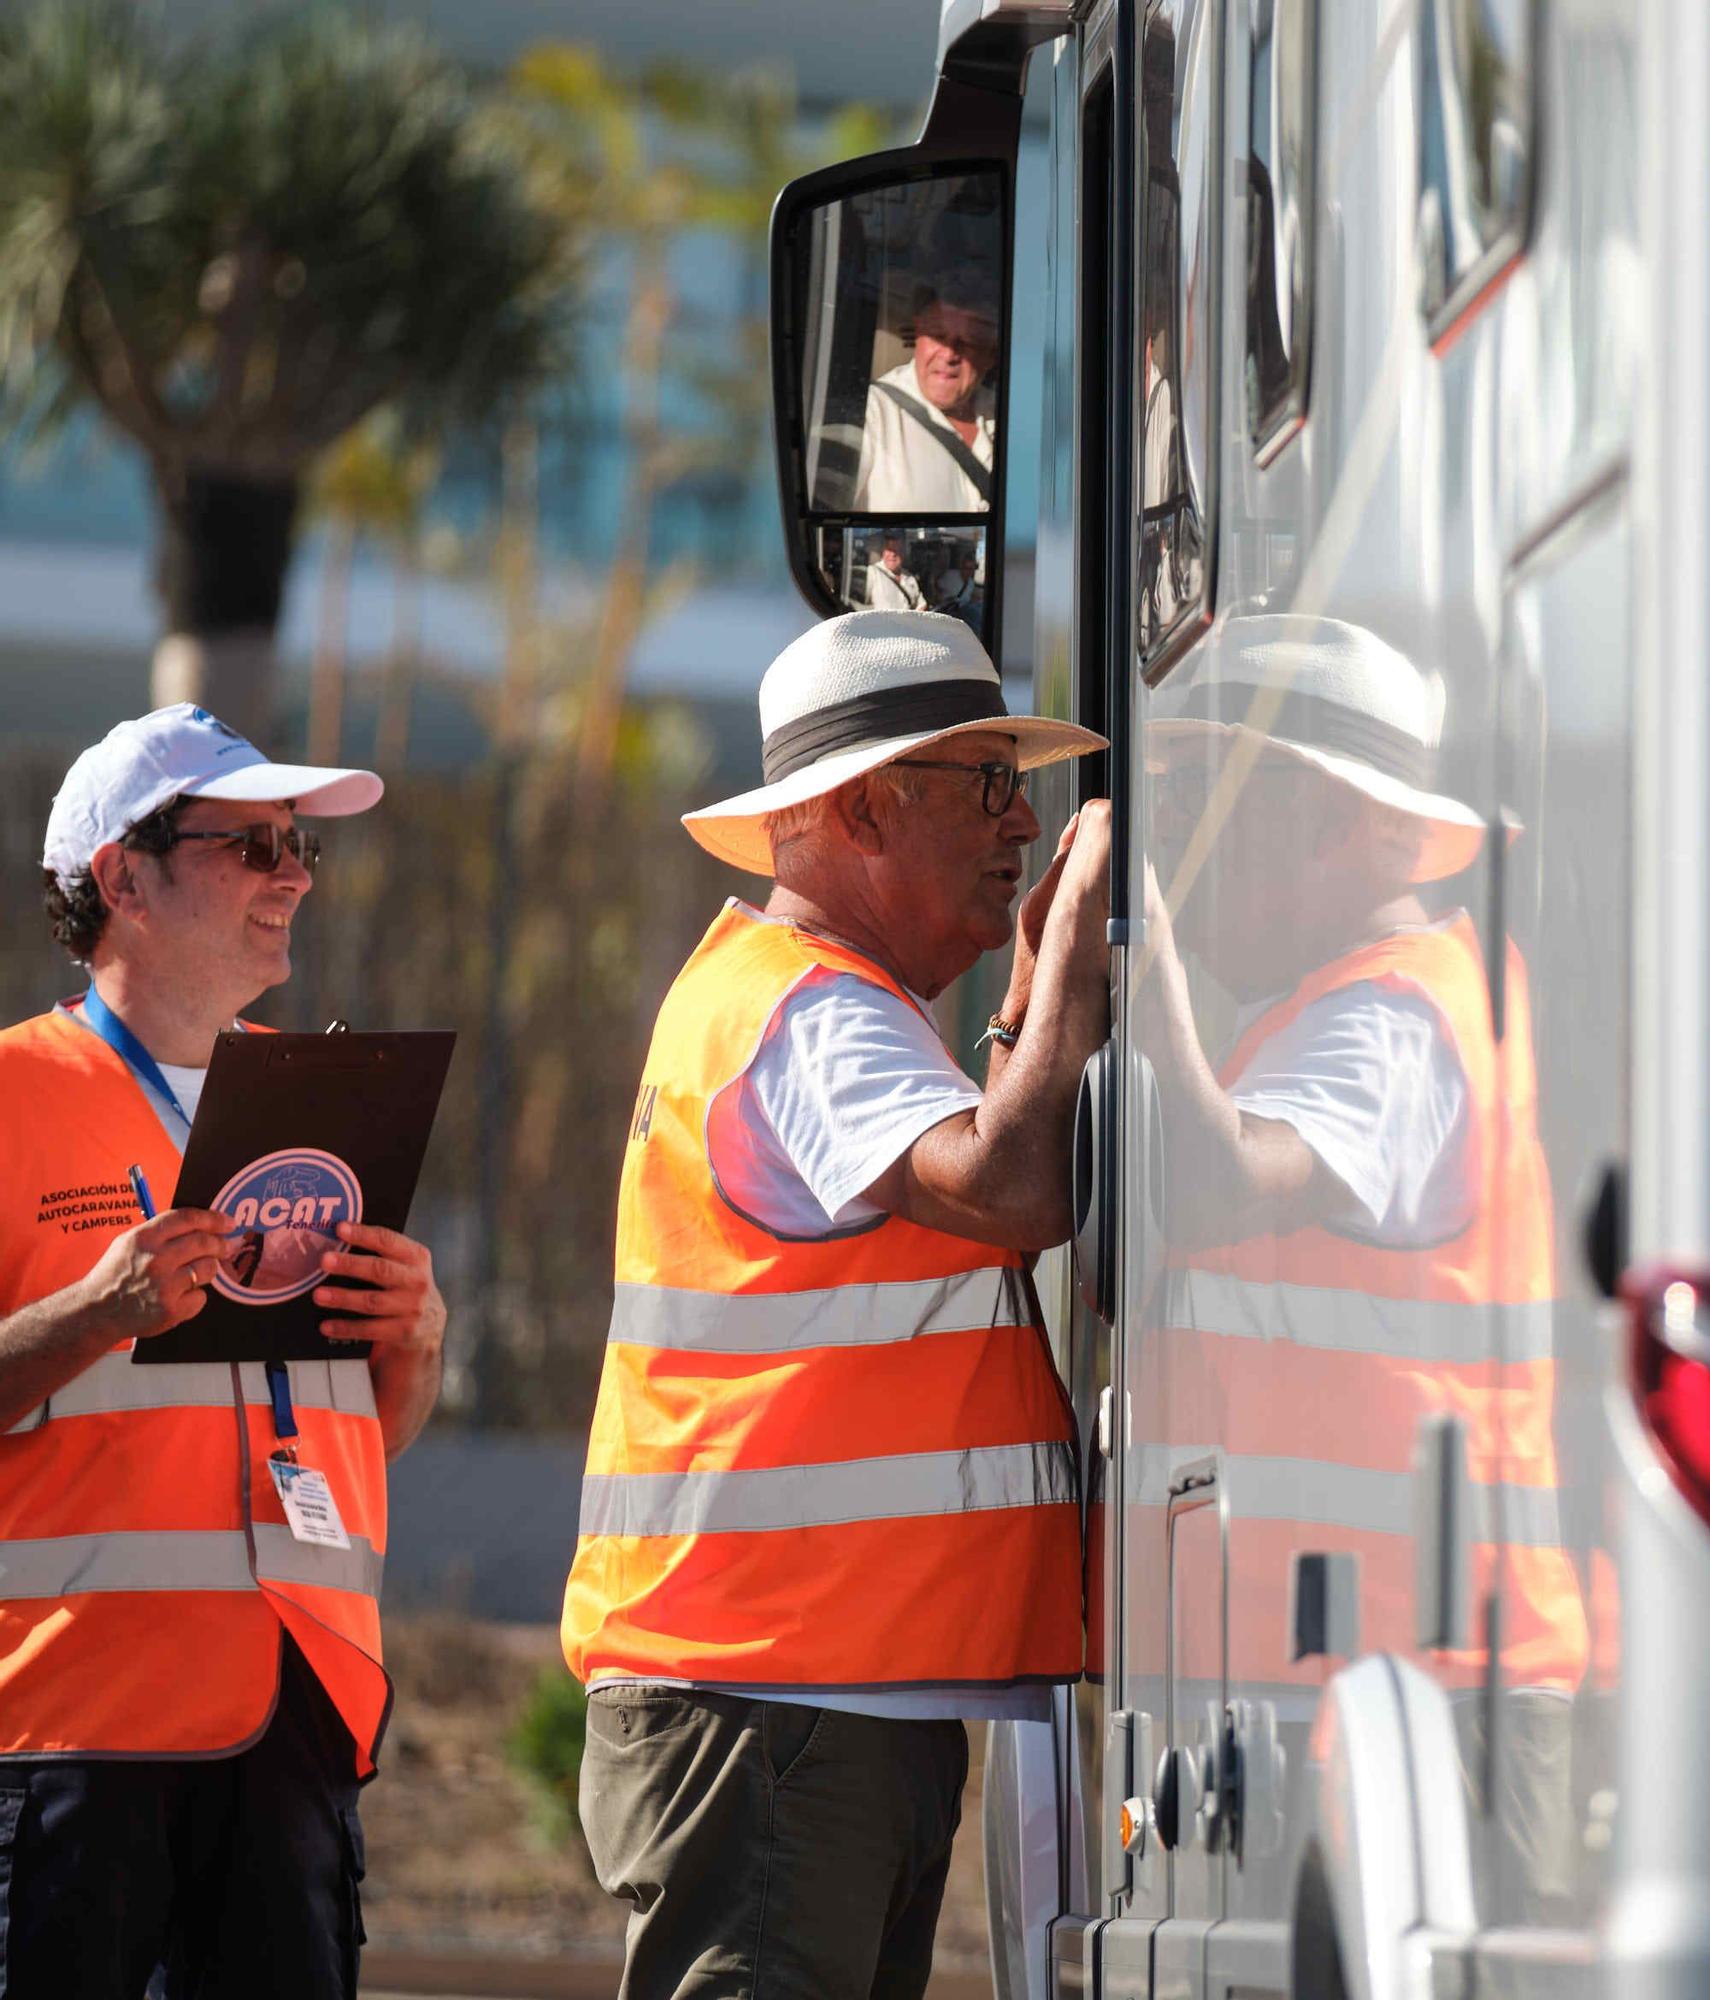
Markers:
point(232, 1878)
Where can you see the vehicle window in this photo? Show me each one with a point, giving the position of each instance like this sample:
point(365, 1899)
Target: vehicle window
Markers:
point(1475, 147)
point(1180, 59)
point(1280, 117)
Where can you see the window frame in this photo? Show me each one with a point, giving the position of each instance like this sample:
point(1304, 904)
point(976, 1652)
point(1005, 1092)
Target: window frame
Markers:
point(1269, 431)
point(1465, 293)
point(1157, 651)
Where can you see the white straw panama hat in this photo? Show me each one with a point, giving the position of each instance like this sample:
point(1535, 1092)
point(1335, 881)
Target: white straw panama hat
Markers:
point(179, 752)
point(856, 692)
point(1337, 697)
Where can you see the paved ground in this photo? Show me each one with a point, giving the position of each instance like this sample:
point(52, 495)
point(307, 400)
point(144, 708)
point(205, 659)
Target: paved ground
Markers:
point(402, 1976)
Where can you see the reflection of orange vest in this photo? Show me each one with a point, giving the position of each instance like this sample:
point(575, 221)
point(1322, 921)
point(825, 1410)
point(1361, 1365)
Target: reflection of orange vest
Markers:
point(145, 1562)
point(1310, 1360)
point(837, 1463)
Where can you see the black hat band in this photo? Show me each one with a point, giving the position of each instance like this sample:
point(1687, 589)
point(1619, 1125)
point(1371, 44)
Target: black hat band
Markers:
point(871, 718)
point(1317, 724)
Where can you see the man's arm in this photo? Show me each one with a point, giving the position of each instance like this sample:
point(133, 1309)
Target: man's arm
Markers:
point(1232, 1175)
point(140, 1286)
point(1000, 1173)
point(398, 1307)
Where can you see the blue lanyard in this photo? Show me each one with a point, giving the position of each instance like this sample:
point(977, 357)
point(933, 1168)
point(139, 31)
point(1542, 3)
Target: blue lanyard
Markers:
point(284, 1417)
point(124, 1044)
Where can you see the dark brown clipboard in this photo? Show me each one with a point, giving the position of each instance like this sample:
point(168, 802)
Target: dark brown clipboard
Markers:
point(364, 1101)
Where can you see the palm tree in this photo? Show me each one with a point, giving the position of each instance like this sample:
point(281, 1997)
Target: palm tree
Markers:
point(234, 254)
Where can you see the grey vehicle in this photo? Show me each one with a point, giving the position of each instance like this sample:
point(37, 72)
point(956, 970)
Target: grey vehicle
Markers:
point(1376, 448)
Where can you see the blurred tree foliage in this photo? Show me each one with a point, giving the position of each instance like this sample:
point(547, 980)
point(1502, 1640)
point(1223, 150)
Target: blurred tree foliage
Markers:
point(372, 485)
point(235, 251)
point(595, 896)
point(541, 900)
point(546, 1744)
point(634, 165)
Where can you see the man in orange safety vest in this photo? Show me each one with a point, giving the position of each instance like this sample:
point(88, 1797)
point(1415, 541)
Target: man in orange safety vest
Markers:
point(830, 1509)
point(190, 1678)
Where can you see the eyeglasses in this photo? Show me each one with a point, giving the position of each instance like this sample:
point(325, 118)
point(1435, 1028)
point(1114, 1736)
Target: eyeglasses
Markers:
point(263, 845)
point(1004, 784)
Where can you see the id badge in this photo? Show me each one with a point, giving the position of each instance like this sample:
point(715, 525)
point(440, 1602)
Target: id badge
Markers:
point(309, 1505)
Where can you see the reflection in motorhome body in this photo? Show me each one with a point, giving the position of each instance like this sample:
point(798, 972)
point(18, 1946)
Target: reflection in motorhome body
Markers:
point(1350, 458)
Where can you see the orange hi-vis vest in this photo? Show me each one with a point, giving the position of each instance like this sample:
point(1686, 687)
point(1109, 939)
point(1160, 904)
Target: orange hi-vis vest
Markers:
point(1309, 1360)
point(146, 1565)
point(835, 1464)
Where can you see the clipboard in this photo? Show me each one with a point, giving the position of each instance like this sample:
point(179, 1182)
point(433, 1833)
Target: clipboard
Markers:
point(293, 1135)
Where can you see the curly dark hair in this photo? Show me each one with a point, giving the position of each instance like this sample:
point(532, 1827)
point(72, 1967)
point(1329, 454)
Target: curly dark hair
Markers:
point(77, 914)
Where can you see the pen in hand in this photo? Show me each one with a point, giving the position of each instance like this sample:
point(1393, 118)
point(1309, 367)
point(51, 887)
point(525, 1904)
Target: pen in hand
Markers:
point(139, 1187)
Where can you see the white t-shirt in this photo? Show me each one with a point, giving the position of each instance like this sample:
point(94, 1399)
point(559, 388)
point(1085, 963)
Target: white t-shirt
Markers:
point(904, 469)
point(1371, 1082)
point(893, 590)
point(846, 1079)
point(185, 1085)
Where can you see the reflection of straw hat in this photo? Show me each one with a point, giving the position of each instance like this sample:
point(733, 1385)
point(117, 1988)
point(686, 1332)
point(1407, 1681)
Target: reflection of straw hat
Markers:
point(1339, 698)
point(855, 692)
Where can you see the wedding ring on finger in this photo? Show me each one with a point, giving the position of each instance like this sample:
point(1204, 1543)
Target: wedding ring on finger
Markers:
point(195, 1282)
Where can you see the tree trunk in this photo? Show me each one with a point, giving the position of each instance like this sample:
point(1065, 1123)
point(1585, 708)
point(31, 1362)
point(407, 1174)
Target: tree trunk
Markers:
point(652, 309)
point(392, 726)
point(225, 544)
point(327, 669)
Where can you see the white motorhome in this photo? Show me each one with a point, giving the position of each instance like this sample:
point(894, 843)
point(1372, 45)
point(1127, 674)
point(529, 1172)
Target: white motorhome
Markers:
point(1376, 424)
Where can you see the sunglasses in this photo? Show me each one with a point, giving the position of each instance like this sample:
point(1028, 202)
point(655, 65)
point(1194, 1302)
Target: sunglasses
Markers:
point(262, 846)
point(1004, 784)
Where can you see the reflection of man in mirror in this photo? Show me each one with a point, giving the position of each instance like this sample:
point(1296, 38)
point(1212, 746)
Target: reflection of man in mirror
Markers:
point(926, 444)
point(1160, 495)
point(961, 589)
point(891, 587)
point(1359, 1215)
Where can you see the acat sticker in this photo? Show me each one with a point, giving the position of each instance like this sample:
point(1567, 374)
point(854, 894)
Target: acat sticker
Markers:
point(287, 1208)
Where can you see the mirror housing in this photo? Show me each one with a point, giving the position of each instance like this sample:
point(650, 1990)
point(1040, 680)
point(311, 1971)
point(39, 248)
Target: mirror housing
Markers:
point(867, 258)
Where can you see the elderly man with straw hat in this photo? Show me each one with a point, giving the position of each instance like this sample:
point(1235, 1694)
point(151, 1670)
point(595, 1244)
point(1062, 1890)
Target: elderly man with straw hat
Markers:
point(1360, 1214)
point(830, 1510)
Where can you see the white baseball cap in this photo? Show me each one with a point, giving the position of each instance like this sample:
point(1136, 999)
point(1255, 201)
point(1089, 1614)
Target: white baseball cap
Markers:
point(856, 692)
point(179, 752)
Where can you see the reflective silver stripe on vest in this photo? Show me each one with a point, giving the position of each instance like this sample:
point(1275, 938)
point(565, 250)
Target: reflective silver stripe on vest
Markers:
point(116, 1383)
point(281, 1558)
point(1358, 1323)
point(218, 1559)
point(839, 1316)
point(755, 1500)
point(1319, 1492)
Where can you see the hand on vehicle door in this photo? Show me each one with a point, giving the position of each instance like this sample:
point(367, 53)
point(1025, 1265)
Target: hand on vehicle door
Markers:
point(1082, 900)
point(1030, 925)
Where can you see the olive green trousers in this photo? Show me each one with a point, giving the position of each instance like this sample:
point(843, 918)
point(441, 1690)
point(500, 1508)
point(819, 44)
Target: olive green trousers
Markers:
point(770, 1851)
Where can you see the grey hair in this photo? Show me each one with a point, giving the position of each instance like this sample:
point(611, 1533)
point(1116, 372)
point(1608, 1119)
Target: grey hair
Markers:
point(797, 833)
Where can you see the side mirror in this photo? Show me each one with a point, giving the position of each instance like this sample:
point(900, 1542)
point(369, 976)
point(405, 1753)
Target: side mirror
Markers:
point(891, 281)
